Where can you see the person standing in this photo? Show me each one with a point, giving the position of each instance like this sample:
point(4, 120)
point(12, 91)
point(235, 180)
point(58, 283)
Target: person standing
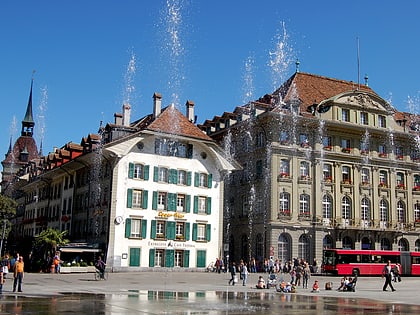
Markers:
point(387, 274)
point(18, 270)
point(244, 273)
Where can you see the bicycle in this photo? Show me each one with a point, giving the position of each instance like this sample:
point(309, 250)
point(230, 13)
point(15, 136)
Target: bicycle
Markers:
point(101, 275)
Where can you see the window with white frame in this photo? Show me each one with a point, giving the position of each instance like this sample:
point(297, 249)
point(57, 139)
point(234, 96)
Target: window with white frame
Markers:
point(327, 172)
point(327, 207)
point(401, 211)
point(180, 230)
point(383, 178)
point(159, 258)
point(364, 118)
point(182, 177)
point(284, 168)
point(284, 203)
point(346, 175)
point(400, 180)
point(163, 174)
point(365, 176)
point(365, 209)
point(180, 202)
point(304, 205)
point(417, 212)
point(304, 169)
point(201, 232)
point(203, 180)
point(202, 204)
point(346, 208)
point(383, 210)
point(381, 121)
point(162, 200)
point(160, 229)
point(345, 114)
point(138, 171)
point(137, 198)
point(135, 228)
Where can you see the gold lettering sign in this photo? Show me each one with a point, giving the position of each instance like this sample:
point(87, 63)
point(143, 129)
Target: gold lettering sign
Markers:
point(170, 214)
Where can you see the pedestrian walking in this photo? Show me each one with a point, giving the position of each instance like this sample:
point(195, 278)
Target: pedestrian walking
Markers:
point(387, 274)
point(244, 273)
point(233, 278)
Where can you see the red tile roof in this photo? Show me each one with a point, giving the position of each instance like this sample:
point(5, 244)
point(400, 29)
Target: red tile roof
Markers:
point(172, 121)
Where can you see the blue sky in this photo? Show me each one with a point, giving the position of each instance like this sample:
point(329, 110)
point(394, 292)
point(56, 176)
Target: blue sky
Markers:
point(91, 56)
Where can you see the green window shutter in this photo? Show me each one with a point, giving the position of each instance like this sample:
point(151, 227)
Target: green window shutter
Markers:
point(208, 232)
point(130, 170)
point(146, 172)
point(145, 199)
point(187, 203)
point(154, 201)
point(153, 230)
point(189, 178)
point(194, 232)
point(208, 205)
point(155, 173)
point(195, 209)
point(171, 202)
point(186, 258)
point(169, 258)
point(143, 229)
point(209, 180)
point(196, 179)
point(151, 257)
point(170, 230)
point(173, 176)
point(134, 257)
point(127, 228)
point(187, 231)
point(201, 259)
point(129, 198)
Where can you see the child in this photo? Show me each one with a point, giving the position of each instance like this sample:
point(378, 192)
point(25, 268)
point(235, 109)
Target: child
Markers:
point(315, 287)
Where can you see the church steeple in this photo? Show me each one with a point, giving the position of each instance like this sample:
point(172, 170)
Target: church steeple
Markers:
point(28, 122)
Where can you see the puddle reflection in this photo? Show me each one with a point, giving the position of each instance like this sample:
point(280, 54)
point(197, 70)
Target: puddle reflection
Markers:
point(211, 303)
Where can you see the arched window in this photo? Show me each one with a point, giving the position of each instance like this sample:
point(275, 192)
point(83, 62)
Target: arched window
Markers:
point(347, 242)
point(403, 245)
point(367, 243)
point(346, 209)
point(304, 247)
point(327, 207)
point(417, 212)
point(365, 212)
point(383, 210)
point(284, 247)
point(328, 242)
point(401, 211)
point(304, 205)
point(385, 244)
point(417, 246)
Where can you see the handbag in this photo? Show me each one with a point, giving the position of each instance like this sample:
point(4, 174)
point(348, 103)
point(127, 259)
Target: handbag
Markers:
point(5, 270)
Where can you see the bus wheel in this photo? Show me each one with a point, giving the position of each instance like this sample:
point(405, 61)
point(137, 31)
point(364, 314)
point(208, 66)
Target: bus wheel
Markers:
point(356, 272)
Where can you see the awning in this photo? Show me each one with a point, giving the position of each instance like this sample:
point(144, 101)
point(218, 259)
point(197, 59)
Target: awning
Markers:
point(79, 250)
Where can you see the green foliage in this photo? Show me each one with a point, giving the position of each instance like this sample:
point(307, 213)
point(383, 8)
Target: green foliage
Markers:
point(50, 239)
point(7, 211)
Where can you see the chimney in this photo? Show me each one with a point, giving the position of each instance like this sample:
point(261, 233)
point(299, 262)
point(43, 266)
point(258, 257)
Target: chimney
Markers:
point(190, 111)
point(126, 115)
point(157, 104)
point(118, 119)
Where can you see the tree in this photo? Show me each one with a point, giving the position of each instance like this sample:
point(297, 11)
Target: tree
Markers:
point(7, 212)
point(49, 239)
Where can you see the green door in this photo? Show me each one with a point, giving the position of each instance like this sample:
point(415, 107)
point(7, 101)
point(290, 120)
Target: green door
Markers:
point(134, 257)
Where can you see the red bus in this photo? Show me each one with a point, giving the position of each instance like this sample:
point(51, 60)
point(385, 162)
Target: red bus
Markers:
point(369, 262)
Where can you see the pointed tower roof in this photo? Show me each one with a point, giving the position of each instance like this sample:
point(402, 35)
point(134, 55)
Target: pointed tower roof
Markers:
point(28, 121)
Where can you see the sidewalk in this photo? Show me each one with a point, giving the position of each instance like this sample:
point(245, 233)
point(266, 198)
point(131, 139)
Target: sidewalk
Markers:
point(39, 284)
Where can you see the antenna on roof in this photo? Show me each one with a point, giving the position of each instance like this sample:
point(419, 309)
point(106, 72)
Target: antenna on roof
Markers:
point(358, 64)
